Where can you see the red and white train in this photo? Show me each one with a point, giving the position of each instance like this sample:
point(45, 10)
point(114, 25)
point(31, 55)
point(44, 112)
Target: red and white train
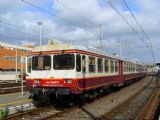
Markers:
point(58, 70)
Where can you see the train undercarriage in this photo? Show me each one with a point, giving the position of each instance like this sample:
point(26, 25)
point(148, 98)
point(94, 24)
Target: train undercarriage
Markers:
point(64, 96)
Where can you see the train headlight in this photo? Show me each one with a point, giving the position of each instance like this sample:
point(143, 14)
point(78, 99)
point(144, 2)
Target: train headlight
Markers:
point(37, 82)
point(68, 81)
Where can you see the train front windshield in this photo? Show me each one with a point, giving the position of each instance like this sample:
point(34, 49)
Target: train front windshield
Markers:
point(64, 62)
point(41, 62)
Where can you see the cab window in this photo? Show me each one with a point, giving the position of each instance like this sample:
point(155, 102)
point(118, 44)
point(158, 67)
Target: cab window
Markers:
point(41, 62)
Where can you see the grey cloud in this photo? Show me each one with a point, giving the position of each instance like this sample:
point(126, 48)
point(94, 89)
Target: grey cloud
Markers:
point(113, 27)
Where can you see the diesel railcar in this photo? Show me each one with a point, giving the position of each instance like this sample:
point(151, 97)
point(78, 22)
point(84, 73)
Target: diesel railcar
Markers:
point(67, 71)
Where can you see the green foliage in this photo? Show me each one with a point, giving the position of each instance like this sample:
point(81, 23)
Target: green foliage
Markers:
point(4, 113)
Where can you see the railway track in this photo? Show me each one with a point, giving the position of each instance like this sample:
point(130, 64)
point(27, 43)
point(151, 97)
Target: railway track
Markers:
point(10, 84)
point(83, 113)
point(133, 108)
point(43, 113)
point(92, 110)
point(35, 114)
point(149, 110)
point(7, 87)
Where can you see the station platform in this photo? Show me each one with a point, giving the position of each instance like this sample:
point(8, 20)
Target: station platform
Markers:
point(14, 103)
point(14, 99)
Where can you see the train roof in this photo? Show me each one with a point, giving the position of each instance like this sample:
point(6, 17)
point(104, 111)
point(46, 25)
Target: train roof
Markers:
point(65, 46)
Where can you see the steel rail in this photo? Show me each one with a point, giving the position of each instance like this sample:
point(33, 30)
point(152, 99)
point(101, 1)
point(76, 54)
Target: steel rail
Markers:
point(26, 113)
point(60, 113)
point(122, 105)
point(150, 106)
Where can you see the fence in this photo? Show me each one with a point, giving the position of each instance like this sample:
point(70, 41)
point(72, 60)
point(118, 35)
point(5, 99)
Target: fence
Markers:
point(9, 73)
point(9, 77)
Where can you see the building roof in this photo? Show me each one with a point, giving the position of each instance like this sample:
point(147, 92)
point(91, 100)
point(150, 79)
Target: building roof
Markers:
point(8, 55)
point(14, 46)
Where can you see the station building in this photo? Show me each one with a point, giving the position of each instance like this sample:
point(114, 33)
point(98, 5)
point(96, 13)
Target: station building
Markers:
point(12, 57)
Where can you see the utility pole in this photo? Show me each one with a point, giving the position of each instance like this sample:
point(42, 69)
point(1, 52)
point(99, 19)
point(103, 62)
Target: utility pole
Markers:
point(16, 64)
point(120, 48)
point(22, 75)
point(100, 36)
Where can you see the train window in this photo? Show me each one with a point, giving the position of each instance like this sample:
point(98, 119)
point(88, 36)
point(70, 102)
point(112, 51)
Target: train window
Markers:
point(78, 63)
point(92, 64)
point(106, 66)
point(64, 62)
point(41, 63)
point(112, 66)
point(130, 67)
point(125, 65)
point(137, 68)
point(100, 65)
point(116, 66)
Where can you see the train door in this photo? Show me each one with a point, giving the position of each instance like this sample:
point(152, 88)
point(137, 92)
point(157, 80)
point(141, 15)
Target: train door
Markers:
point(121, 79)
point(28, 65)
point(83, 63)
point(84, 69)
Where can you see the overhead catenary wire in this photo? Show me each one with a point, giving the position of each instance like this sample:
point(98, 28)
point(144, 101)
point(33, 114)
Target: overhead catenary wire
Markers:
point(61, 18)
point(142, 30)
point(24, 34)
point(83, 17)
point(124, 19)
point(132, 28)
point(91, 24)
point(12, 37)
point(135, 18)
point(14, 28)
point(19, 33)
point(77, 13)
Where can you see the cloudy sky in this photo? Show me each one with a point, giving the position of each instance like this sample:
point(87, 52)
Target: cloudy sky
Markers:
point(78, 22)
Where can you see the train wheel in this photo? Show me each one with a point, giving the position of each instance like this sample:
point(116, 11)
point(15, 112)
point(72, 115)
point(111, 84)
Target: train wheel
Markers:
point(52, 98)
point(100, 93)
point(80, 99)
point(64, 100)
point(41, 100)
point(93, 94)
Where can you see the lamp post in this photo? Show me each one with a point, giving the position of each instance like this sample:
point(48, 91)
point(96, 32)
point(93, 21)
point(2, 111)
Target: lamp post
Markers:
point(40, 36)
point(22, 74)
point(16, 64)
